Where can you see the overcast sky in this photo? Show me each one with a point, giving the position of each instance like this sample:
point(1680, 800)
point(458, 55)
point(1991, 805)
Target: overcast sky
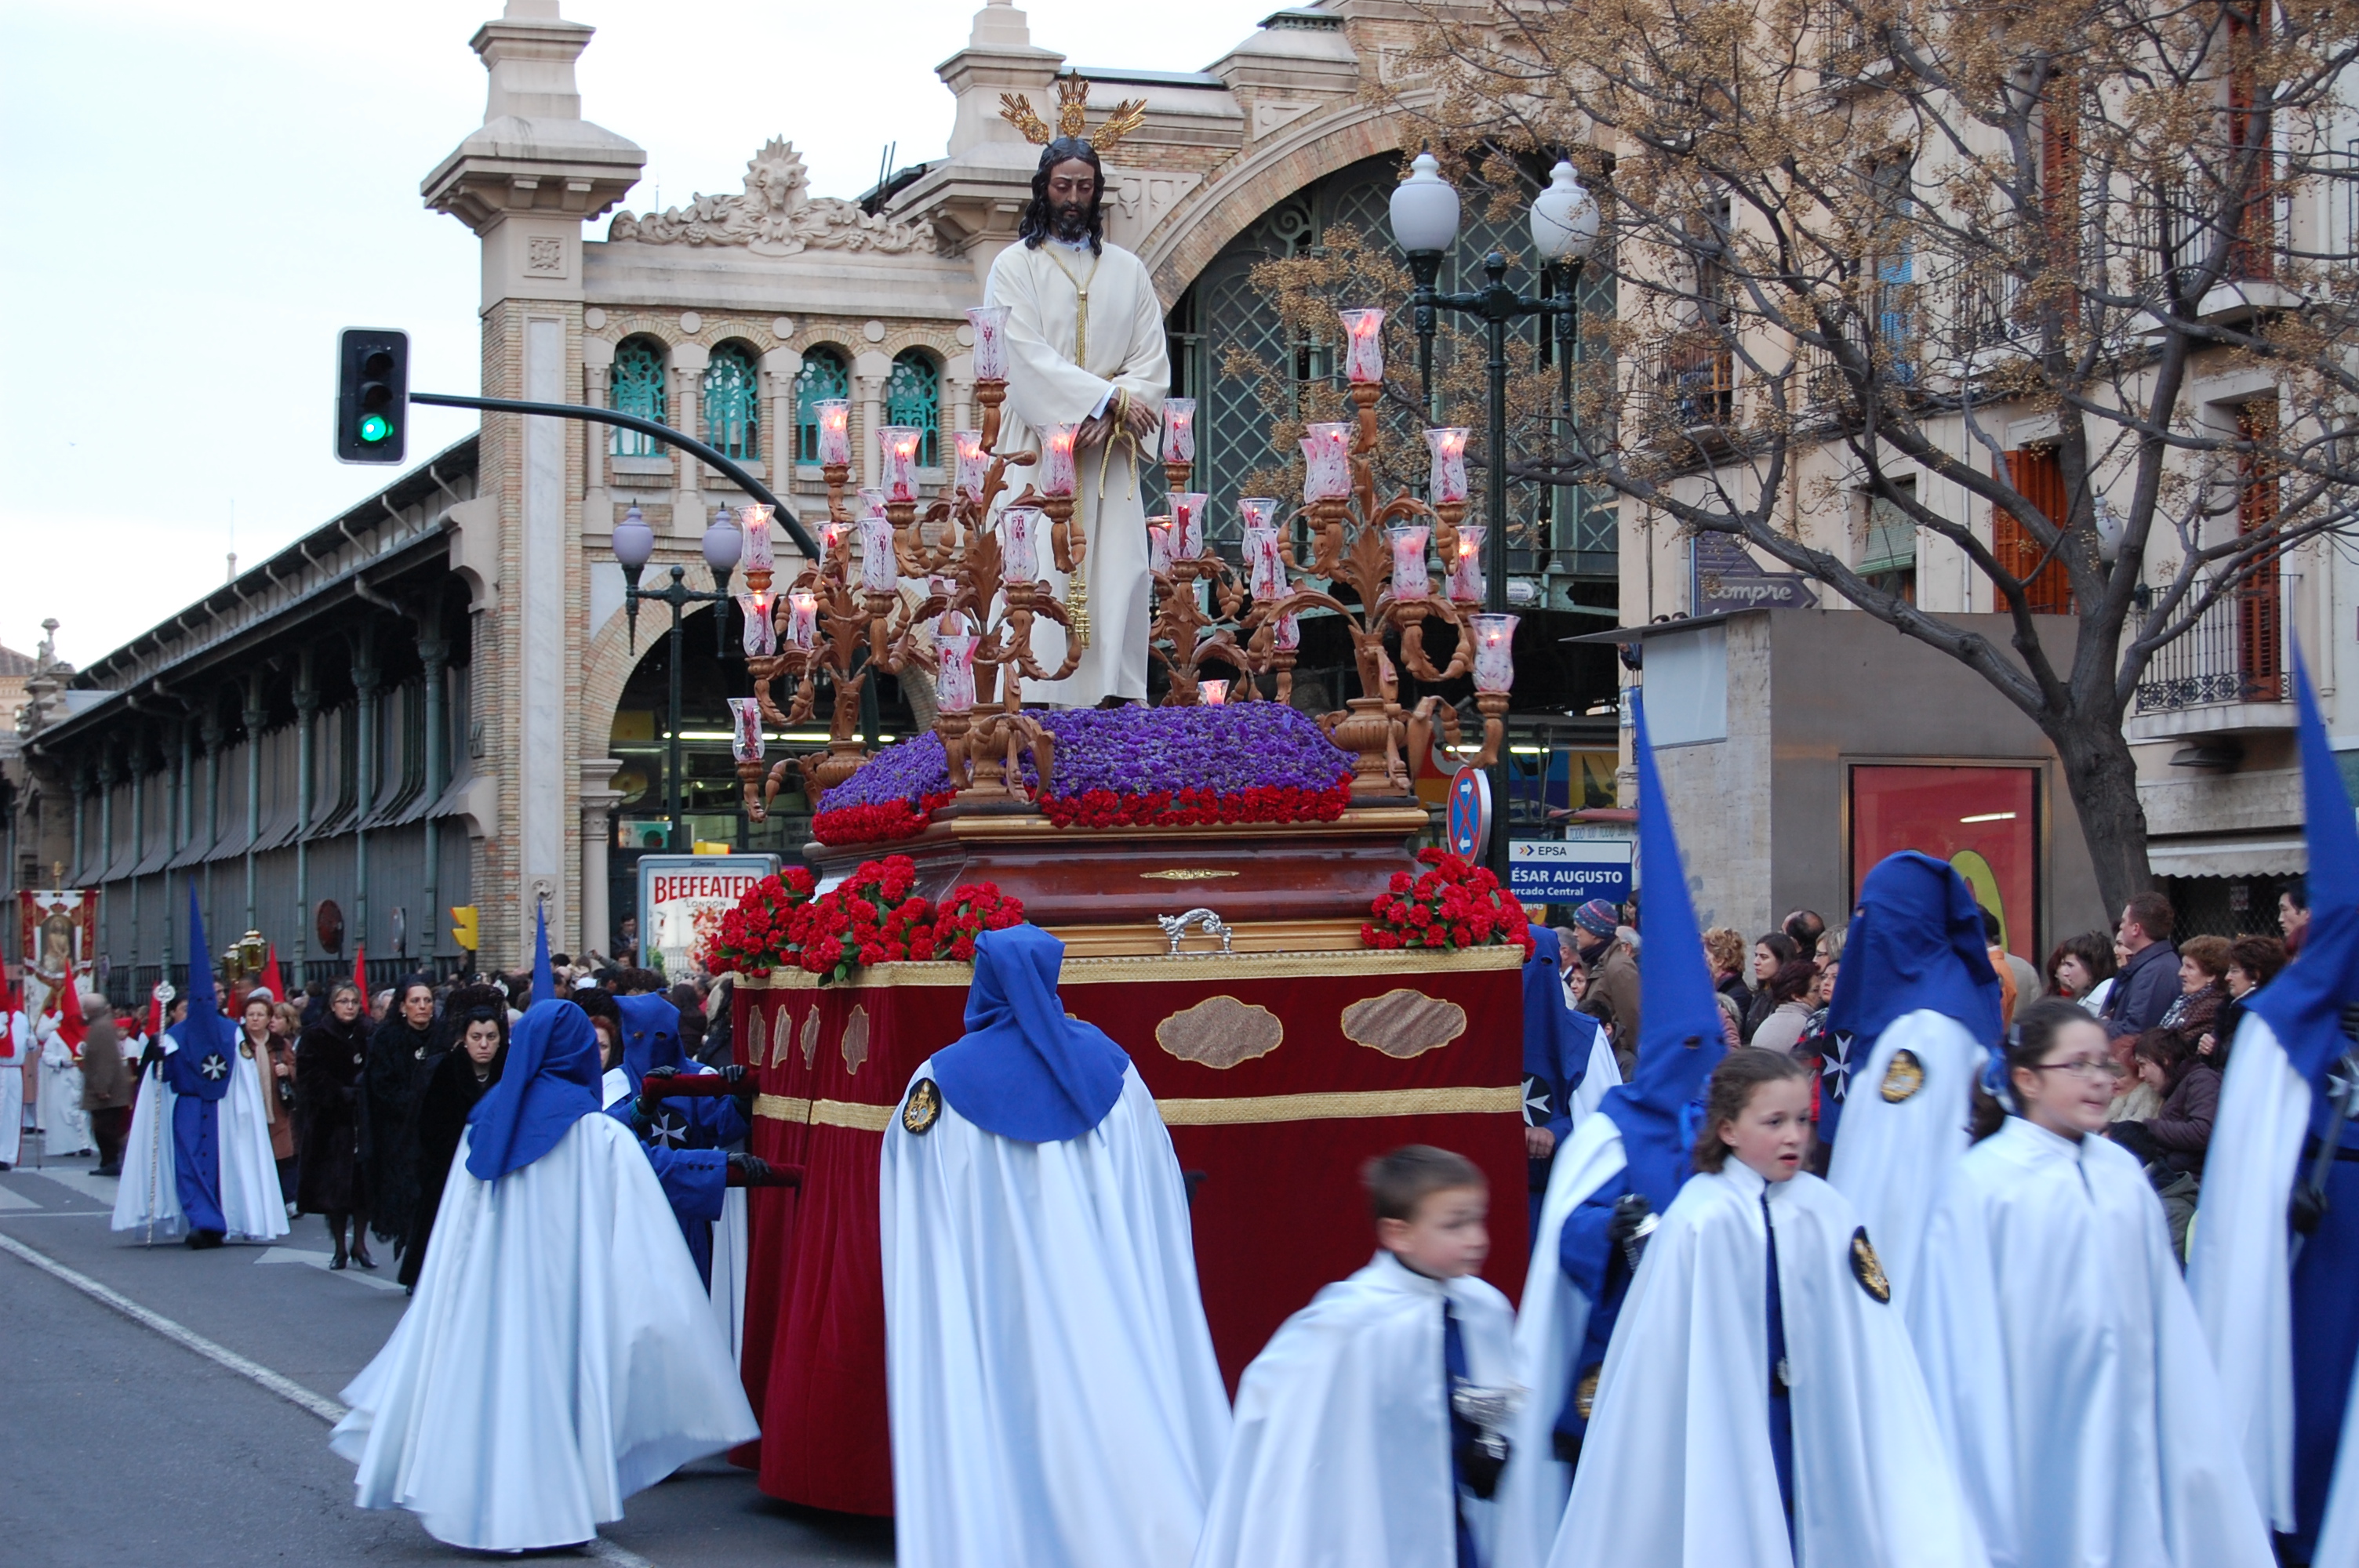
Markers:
point(201, 195)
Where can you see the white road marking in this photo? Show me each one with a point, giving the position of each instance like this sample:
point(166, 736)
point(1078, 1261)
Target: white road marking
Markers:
point(10, 1199)
point(606, 1550)
point(320, 1260)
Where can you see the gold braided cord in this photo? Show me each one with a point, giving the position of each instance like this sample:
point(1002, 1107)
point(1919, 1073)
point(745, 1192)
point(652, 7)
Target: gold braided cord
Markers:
point(1244, 1111)
point(782, 1107)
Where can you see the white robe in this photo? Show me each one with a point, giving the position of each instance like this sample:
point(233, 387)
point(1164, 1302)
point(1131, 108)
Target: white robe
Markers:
point(1054, 1396)
point(251, 1203)
point(65, 1125)
point(1341, 1457)
point(2067, 1368)
point(1126, 351)
point(149, 1189)
point(731, 1252)
point(1893, 1157)
point(16, 1049)
point(559, 1355)
point(1677, 1471)
point(1549, 1325)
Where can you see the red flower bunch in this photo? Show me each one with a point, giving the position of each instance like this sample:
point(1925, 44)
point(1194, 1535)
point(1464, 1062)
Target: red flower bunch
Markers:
point(1453, 904)
point(878, 822)
point(875, 917)
point(754, 935)
point(1198, 808)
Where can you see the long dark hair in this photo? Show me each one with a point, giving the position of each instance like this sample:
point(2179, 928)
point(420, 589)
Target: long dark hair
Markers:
point(1038, 223)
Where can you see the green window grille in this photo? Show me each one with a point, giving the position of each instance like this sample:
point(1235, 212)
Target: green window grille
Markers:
point(637, 386)
point(1891, 543)
point(732, 404)
point(913, 397)
point(823, 376)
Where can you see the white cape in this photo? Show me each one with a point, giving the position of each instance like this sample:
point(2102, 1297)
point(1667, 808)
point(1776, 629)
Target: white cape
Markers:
point(730, 1255)
point(1604, 1071)
point(1550, 1325)
point(1677, 1471)
point(16, 1040)
point(2067, 1368)
point(252, 1206)
point(150, 1188)
point(65, 1125)
point(560, 1355)
point(1054, 1397)
point(1342, 1453)
point(1893, 1156)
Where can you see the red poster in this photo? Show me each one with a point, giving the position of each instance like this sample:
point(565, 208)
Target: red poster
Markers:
point(1982, 820)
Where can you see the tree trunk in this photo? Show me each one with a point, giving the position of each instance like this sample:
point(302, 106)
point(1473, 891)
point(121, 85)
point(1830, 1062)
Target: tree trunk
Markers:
point(2102, 778)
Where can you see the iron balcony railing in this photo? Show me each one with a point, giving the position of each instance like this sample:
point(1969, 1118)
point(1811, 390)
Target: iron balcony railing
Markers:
point(2235, 653)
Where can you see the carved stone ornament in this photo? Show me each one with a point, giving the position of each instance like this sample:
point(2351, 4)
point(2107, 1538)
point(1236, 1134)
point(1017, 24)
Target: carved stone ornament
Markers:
point(1404, 1023)
point(776, 216)
point(1221, 1032)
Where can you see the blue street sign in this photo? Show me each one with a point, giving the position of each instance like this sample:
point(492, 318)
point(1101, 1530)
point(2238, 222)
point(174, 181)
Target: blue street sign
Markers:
point(1569, 871)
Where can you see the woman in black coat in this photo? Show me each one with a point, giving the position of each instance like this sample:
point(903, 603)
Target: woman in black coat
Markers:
point(478, 1019)
point(331, 1122)
point(402, 1055)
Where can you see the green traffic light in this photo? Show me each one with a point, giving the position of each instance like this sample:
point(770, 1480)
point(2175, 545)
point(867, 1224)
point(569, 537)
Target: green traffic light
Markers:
point(375, 427)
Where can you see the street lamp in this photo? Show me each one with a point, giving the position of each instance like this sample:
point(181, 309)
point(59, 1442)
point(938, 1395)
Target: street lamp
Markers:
point(725, 544)
point(1425, 216)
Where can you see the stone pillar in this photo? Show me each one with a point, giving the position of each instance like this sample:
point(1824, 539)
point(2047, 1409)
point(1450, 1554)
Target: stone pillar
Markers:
point(434, 653)
point(256, 716)
point(138, 839)
point(176, 829)
point(544, 677)
point(870, 370)
point(368, 679)
point(106, 777)
point(597, 440)
point(780, 367)
point(211, 736)
point(598, 800)
point(688, 362)
point(82, 806)
point(307, 727)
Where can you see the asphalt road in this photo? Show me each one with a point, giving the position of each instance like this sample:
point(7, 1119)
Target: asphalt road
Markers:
point(123, 1445)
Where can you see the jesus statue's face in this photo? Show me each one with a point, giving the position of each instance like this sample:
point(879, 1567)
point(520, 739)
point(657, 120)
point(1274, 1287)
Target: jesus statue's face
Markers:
point(1073, 190)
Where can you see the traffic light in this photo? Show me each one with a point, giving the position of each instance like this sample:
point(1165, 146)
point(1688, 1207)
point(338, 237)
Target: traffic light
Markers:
point(372, 395)
point(464, 918)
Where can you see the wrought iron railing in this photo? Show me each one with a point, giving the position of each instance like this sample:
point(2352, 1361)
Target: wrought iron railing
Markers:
point(2235, 653)
point(1689, 381)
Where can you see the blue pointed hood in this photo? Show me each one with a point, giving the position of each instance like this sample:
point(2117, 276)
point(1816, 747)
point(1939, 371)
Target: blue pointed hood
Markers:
point(2304, 1005)
point(1916, 943)
point(544, 983)
point(549, 1082)
point(1556, 1039)
point(205, 1025)
point(1023, 1069)
point(1680, 1034)
point(650, 1035)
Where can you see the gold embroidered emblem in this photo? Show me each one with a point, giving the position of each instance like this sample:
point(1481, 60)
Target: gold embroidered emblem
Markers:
point(1584, 1393)
point(924, 1107)
point(1903, 1077)
point(1867, 1269)
point(1186, 874)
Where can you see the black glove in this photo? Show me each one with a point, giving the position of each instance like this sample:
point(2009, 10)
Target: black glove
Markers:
point(651, 1092)
point(2307, 1208)
point(152, 1057)
point(1634, 1221)
point(1480, 1468)
point(2134, 1136)
point(753, 1170)
point(733, 1075)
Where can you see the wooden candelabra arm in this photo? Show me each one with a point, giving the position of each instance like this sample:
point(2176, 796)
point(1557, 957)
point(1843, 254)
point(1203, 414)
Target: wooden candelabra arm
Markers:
point(1432, 712)
point(1410, 616)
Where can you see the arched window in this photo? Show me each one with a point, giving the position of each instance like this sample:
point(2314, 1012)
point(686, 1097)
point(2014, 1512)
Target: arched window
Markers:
point(733, 402)
point(636, 385)
point(824, 375)
point(913, 396)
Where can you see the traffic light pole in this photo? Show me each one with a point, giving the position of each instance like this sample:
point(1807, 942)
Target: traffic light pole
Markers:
point(664, 433)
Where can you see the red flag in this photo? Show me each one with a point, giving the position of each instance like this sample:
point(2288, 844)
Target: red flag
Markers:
point(69, 1025)
point(359, 973)
point(277, 987)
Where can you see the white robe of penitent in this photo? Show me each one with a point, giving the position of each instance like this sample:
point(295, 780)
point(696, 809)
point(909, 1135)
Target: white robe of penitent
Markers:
point(560, 1355)
point(1341, 1457)
point(1126, 352)
point(731, 1252)
point(1678, 1469)
point(149, 1195)
point(65, 1126)
point(2067, 1368)
point(1054, 1396)
point(250, 1198)
point(16, 1049)
point(1906, 1125)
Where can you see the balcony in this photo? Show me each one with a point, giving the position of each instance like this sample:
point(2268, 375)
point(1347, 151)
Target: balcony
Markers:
point(2224, 675)
point(1687, 382)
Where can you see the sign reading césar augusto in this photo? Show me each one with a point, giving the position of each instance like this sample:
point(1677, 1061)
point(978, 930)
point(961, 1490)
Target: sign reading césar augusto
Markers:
point(682, 899)
point(1569, 871)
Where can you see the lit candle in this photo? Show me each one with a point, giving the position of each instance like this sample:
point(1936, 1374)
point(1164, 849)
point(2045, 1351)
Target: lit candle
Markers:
point(879, 573)
point(1411, 579)
point(1179, 429)
point(1019, 543)
point(1216, 693)
point(746, 729)
point(1057, 460)
point(1158, 544)
point(756, 555)
point(954, 685)
point(1187, 524)
point(830, 540)
point(834, 430)
point(990, 324)
point(761, 636)
point(1466, 584)
point(1267, 562)
point(1327, 462)
point(1448, 479)
point(1363, 360)
point(968, 479)
point(1287, 634)
point(1494, 652)
point(802, 617)
point(896, 454)
point(1258, 511)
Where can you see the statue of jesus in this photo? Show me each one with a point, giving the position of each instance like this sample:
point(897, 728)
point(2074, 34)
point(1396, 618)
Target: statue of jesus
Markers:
point(1085, 347)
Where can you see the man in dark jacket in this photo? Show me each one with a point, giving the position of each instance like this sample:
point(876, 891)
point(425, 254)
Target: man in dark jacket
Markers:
point(2143, 991)
point(1613, 994)
point(105, 1091)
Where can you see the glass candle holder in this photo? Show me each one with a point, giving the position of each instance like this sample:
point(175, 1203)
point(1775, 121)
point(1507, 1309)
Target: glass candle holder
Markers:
point(757, 555)
point(1266, 563)
point(1188, 510)
point(1057, 474)
point(802, 619)
point(967, 478)
point(954, 682)
point(1494, 652)
point(761, 638)
point(746, 729)
point(834, 415)
point(1327, 462)
point(1213, 692)
point(990, 324)
point(1158, 544)
point(1466, 580)
point(1411, 579)
point(1363, 357)
point(1286, 635)
point(879, 572)
point(831, 542)
point(1446, 482)
point(871, 502)
point(1258, 511)
point(897, 461)
point(1019, 543)
point(1179, 429)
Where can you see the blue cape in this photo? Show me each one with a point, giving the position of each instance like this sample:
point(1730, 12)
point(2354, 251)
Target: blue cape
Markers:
point(1680, 1036)
point(1916, 943)
point(650, 1035)
point(550, 1082)
point(204, 1035)
point(1556, 1039)
point(1023, 1069)
point(2304, 1004)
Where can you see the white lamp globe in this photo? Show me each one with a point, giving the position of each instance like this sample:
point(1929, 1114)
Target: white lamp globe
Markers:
point(634, 542)
point(725, 542)
point(1425, 208)
point(1564, 217)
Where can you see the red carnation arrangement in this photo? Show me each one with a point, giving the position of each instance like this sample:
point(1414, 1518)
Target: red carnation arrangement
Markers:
point(1454, 904)
point(755, 934)
point(880, 822)
point(875, 916)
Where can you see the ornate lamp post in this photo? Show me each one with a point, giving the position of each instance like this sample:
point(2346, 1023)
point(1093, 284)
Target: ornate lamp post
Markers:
point(724, 544)
point(1425, 214)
